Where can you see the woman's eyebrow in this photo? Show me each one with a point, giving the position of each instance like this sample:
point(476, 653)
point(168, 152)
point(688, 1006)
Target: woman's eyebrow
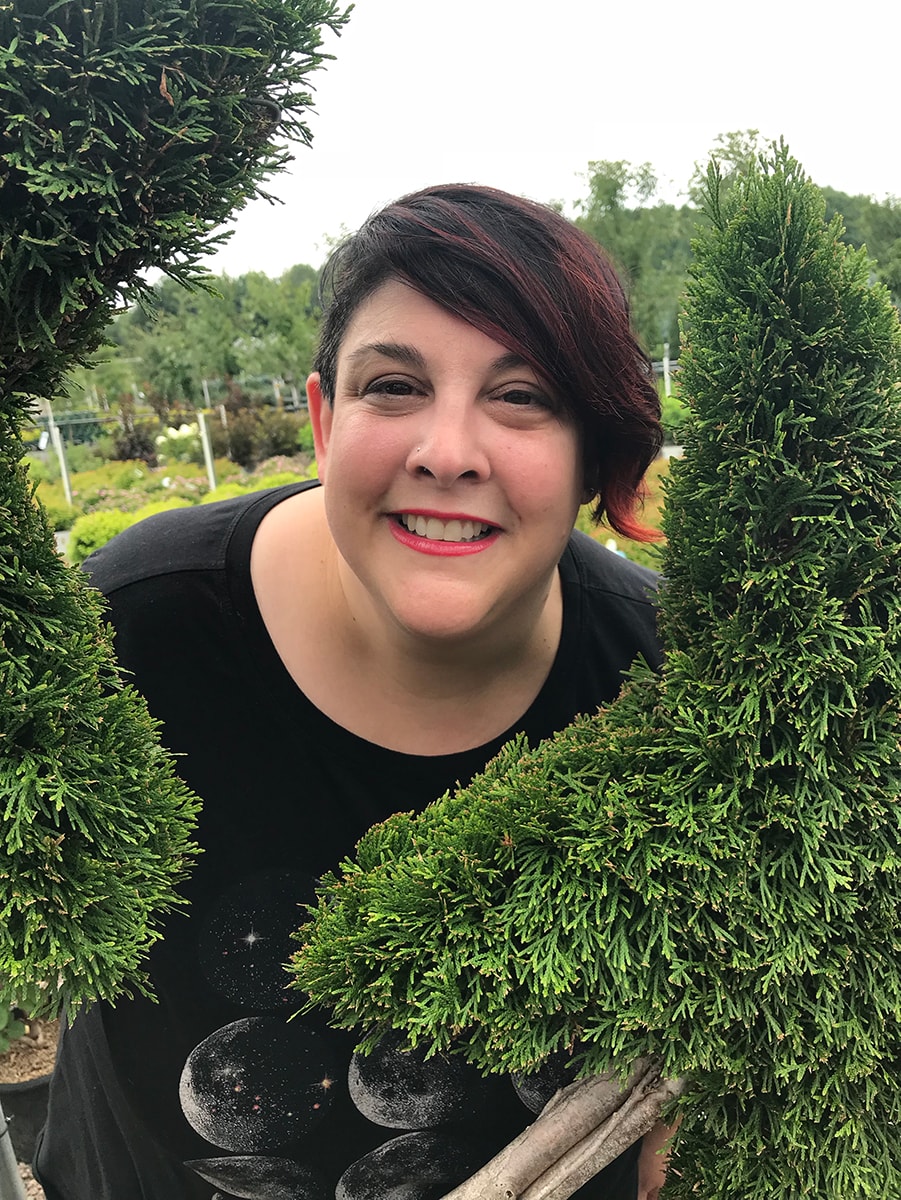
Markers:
point(398, 351)
point(509, 361)
point(408, 355)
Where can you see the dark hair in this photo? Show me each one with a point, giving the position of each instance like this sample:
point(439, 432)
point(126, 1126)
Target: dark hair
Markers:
point(528, 278)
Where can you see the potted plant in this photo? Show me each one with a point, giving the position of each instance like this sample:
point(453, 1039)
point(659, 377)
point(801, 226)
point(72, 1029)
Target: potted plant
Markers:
point(705, 878)
point(27, 1053)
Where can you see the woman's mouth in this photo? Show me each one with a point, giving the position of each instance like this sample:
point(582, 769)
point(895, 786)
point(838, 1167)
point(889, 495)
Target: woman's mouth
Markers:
point(436, 530)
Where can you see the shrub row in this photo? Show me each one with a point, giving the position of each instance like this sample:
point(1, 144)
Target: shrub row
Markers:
point(95, 529)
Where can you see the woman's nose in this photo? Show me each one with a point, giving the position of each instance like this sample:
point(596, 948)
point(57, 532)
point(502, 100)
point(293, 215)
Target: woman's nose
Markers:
point(448, 444)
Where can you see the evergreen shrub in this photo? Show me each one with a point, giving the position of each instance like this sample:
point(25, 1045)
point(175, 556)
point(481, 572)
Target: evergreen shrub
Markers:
point(708, 871)
point(130, 132)
point(59, 513)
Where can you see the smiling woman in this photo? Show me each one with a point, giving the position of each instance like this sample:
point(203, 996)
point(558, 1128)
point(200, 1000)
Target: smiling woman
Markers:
point(325, 654)
point(456, 431)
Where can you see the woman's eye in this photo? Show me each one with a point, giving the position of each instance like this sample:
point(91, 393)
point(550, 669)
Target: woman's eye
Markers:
point(389, 387)
point(526, 398)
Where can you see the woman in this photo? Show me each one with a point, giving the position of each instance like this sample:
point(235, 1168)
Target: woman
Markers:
point(325, 654)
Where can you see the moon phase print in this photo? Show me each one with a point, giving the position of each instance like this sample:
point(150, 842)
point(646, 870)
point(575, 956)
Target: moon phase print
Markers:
point(536, 1088)
point(260, 1178)
point(415, 1166)
point(402, 1089)
point(257, 1084)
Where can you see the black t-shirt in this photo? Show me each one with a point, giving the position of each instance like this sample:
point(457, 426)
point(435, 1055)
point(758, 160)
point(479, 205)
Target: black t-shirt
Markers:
point(212, 1089)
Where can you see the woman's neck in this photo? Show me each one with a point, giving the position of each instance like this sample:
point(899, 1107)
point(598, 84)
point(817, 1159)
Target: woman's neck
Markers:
point(401, 690)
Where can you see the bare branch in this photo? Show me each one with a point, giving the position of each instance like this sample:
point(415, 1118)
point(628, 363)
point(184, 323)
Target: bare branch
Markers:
point(580, 1130)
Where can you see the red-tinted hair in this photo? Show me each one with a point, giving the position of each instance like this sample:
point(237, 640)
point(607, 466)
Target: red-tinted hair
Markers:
point(528, 278)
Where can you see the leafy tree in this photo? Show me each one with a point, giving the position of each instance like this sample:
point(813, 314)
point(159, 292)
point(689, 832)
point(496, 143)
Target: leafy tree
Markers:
point(278, 323)
point(648, 239)
point(248, 326)
point(876, 225)
point(131, 129)
point(736, 154)
point(706, 875)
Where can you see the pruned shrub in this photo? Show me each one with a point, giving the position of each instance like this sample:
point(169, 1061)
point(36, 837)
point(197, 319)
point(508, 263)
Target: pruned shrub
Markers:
point(707, 874)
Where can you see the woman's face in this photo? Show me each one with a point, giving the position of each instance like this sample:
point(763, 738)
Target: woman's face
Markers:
point(452, 477)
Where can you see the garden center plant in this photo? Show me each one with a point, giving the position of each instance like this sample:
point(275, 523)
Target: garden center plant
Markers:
point(131, 131)
point(705, 876)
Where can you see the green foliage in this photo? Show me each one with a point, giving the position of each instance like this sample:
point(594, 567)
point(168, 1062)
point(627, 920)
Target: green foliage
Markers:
point(709, 871)
point(875, 225)
point(94, 530)
point(255, 434)
point(38, 470)
point(736, 154)
point(130, 130)
point(159, 506)
point(649, 242)
point(95, 824)
point(195, 344)
point(225, 491)
point(60, 514)
point(277, 479)
point(305, 438)
point(80, 456)
point(10, 1027)
point(673, 417)
point(228, 491)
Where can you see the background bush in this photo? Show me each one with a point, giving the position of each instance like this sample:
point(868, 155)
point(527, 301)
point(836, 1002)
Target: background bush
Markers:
point(94, 530)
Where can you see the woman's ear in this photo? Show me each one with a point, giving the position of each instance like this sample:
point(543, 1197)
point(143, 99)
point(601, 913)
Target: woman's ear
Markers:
point(321, 421)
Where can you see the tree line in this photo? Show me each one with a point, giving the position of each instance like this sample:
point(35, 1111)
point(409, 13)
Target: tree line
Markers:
point(252, 337)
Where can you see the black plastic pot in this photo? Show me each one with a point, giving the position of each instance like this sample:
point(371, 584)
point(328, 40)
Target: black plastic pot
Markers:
point(25, 1108)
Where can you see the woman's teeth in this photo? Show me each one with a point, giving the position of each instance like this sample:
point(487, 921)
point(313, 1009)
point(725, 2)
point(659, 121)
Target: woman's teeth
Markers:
point(444, 531)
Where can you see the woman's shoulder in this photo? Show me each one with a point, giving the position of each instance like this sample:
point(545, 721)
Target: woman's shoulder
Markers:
point(590, 566)
point(610, 611)
point(199, 538)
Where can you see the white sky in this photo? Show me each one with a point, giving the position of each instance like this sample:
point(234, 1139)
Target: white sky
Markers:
point(522, 95)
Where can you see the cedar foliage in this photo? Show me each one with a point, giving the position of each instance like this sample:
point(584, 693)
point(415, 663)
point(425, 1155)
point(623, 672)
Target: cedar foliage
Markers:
point(709, 870)
point(130, 130)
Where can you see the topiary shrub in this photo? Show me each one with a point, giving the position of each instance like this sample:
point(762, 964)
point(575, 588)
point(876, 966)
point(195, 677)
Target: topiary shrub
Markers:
point(706, 875)
point(130, 131)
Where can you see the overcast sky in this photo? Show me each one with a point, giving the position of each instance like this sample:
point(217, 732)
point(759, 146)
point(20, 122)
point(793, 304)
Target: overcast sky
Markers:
point(523, 96)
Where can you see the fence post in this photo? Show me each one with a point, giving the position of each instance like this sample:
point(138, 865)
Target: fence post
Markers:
point(57, 443)
point(207, 455)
